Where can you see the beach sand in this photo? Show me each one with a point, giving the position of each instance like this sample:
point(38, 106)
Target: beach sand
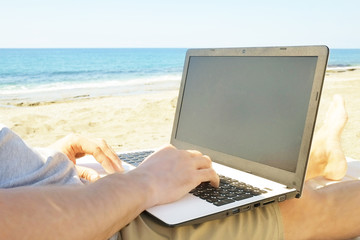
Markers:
point(145, 121)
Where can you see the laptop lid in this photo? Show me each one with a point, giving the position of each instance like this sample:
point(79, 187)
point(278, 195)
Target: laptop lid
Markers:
point(253, 109)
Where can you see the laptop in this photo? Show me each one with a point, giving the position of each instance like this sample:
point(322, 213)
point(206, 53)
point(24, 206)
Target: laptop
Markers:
point(253, 111)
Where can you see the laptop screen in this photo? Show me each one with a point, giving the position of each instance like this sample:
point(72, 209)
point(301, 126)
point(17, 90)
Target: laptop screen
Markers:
point(254, 108)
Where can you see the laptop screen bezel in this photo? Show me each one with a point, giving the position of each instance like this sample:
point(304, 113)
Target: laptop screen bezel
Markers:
point(287, 178)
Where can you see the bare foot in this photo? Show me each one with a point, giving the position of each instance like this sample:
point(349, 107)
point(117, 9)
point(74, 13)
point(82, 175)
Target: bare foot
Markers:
point(326, 157)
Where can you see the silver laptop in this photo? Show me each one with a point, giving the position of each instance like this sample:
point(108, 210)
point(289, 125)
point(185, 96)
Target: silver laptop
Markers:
point(253, 111)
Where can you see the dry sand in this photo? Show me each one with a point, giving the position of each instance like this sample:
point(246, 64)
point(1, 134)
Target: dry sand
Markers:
point(145, 121)
point(126, 122)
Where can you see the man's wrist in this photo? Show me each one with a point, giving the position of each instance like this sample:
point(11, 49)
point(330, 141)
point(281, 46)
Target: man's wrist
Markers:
point(147, 185)
point(134, 183)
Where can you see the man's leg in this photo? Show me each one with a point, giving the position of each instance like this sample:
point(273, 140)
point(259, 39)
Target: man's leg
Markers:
point(260, 223)
point(327, 158)
point(331, 212)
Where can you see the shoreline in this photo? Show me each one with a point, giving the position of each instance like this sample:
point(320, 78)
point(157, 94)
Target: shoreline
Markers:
point(144, 119)
point(55, 94)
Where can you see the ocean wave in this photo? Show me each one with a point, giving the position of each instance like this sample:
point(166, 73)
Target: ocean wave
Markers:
point(339, 65)
point(45, 74)
point(91, 85)
point(79, 72)
point(343, 67)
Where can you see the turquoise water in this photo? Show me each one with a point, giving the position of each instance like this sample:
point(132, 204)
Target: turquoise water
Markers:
point(26, 71)
point(61, 73)
point(344, 58)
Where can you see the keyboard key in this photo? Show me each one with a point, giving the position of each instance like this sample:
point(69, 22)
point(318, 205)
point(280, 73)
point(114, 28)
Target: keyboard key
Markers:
point(223, 202)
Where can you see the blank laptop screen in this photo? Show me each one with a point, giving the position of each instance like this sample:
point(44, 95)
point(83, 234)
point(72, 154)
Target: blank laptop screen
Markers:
point(250, 107)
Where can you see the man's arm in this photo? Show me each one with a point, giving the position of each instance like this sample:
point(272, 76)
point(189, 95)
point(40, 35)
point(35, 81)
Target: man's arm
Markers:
point(98, 210)
point(93, 211)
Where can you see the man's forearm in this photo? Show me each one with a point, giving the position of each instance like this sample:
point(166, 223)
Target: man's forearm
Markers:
point(95, 211)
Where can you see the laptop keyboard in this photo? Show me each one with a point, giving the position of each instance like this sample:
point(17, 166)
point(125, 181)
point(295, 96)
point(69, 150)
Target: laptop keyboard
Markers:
point(229, 191)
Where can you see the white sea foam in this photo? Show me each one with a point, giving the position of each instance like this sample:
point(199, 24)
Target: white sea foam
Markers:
point(344, 68)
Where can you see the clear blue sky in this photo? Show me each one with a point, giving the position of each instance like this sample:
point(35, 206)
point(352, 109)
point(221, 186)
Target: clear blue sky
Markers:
point(182, 23)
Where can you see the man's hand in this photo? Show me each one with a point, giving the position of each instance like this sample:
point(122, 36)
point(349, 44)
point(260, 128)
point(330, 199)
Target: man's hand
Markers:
point(172, 173)
point(75, 146)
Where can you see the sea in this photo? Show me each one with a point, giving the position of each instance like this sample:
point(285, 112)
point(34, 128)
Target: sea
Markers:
point(53, 74)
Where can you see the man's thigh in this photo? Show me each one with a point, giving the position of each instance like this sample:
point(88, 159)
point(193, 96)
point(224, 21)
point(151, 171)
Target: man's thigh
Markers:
point(260, 223)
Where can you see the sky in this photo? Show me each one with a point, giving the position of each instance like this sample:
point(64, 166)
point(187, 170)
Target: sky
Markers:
point(178, 24)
